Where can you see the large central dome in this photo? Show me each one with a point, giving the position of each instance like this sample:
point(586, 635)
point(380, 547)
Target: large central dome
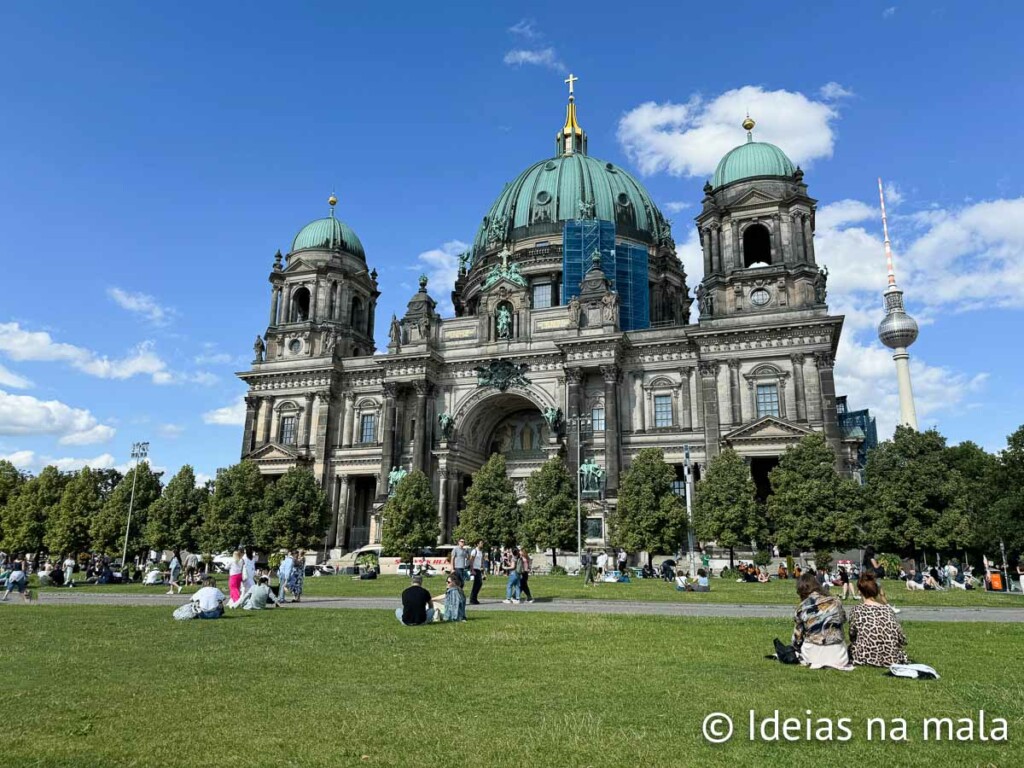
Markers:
point(571, 185)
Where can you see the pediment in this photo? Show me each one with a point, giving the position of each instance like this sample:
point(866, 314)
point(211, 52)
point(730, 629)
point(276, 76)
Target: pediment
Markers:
point(301, 264)
point(755, 197)
point(767, 428)
point(273, 452)
point(501, 283)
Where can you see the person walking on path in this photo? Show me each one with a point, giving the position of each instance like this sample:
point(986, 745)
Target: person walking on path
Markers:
point(192, 568)
point(587, 564)
point(174, 573)
point(523, 567)
point(508, 565)
point(477, 562)
point(69, 571)
point(298, 577)
point(460, 560)
point(284, 575)
point(621, 560)
point(248, 571)
point(235, 568)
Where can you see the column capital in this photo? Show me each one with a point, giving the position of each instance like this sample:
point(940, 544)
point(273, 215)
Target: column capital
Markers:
point(797, 358)
point(345, 480)
point(308, 396)
point(734, 364)
point(707, 367)
point(423, 388)
point(573, 375)
point(350, 396)
point(444, 473)
point(323, 396)
point(390, 389)
point(686, 373)
point(824, 360)
point(253, 401)
point(612, 374)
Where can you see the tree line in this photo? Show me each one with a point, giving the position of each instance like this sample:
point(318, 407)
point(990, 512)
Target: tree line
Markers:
point(86, 511)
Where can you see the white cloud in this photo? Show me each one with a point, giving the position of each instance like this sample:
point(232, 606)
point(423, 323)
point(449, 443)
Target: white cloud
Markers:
point(689, 139)
point(213, 358)
point(33, 462)
point(20, 459)
point(541, 57)
point(442, 268)
point(26, 415)
point(229, 416)
point(525, 28)
point(141, 304)
point(202, 478)
point(675, 206)
point(893, 195)
point(833, 91)
point(9, 378)
point(170, 431)
point(889, 12)
point(20, 344)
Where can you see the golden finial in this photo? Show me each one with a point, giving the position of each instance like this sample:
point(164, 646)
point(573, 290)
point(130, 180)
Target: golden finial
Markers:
point(332, 200)
point(748, 124)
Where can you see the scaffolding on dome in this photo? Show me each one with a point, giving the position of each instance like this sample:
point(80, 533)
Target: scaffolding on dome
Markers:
point(624, 264)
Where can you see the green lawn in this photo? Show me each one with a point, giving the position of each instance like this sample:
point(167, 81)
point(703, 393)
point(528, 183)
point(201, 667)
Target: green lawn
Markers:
point(571, 588)
point(127, 686)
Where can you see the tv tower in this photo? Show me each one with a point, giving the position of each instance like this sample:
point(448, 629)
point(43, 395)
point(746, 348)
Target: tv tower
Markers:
point(898, 330)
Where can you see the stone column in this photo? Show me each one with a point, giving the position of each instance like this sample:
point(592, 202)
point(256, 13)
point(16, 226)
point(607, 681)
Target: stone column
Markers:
point(698, 402)
point(419, 447)
point(304, 424)
point(734, 392)
point(273, 307)
point(323, 412)
point(798, 386)
point(734, 253)
point(574, 382)
point(706, 238)
point(829, 419)
point(388, 436)
point(442, 504)
point(639, 422)
point(712, 429)
point(266, 419)
point(341, 529)
point(314, 300)
point(808, 240)
point(778, 255)
point(252, 405)
point(349, 405)
point(812, 396)
point(275, 419)
point(685, 408)
point(716, 248)
point(611, 375)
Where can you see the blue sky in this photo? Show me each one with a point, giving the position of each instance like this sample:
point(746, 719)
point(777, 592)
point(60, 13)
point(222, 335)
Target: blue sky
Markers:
point(154, 157)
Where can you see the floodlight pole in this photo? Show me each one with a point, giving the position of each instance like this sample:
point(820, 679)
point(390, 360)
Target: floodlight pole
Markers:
point(578, 421)
point(139, 451)
point(690, 542)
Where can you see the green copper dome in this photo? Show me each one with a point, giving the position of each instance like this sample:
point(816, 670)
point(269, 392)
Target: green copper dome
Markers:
point(755, 158)
point(329, 234)
point(570, 186)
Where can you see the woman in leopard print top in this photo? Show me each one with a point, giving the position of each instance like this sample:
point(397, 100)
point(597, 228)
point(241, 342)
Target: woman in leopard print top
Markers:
point(876, 638)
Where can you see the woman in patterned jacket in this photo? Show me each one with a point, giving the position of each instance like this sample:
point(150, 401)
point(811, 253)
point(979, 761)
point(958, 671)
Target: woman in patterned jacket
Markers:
point(876, 638)
point(818, 634)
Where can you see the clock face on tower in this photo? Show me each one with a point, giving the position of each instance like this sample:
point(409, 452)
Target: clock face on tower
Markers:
point(295, 346)
point(759, 297)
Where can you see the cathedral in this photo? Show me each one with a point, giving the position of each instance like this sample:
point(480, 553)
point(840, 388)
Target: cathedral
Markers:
point(574, 335)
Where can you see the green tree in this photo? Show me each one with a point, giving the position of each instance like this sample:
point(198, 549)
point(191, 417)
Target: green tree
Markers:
point(67, 527)
point(409, 518)
point(11, 481)
point(549, 515)
point(812, 507)
point(175, 519)
point(295, 513)
point(649, 516)
point(107, 528)
point(914, 499)
point(492, 512)
point(725, 508)
point(25, 515)
point(238, 496)
point(1003, 520)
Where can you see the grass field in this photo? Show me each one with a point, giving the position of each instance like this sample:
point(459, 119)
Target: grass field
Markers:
point(127, 686)
point(571, 588)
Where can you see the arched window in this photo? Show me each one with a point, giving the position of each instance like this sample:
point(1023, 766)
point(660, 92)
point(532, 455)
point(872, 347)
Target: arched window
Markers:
point(357, 316)
point(300, 306)
point(757, 245)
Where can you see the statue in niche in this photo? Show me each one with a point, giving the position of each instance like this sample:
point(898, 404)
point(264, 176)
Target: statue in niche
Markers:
point(553, 417)
point(504, 323)
point(590, 476)
point(820, 281)
point(330, 341)
point(259, 348)
point(610, 307)
point(574, 311)
point(447, 424)
point(424, 327)
point(395, 332)
point(394, 478)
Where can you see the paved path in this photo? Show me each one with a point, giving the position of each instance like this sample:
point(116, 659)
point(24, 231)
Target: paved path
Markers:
point(909, 613)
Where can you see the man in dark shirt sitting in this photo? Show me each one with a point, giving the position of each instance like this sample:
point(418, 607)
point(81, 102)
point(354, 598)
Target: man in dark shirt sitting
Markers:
point(416, 605)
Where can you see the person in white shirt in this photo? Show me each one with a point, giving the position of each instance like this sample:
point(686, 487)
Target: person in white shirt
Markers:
point(209, 600)
point(476, 565)
point(69, 571)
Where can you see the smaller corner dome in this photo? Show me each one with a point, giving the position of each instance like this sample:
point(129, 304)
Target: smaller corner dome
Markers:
point(329, 234)
point(755, 158)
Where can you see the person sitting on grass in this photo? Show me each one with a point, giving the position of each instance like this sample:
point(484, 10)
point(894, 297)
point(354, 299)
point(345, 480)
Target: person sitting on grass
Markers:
point(257, 598)
point(453, 606)
point(701, 584)
point(818, 634)
point(876, 638)
point(416, 606)
point(17, 580)
point(762, 576)
point(782, 573)
point(209, 600)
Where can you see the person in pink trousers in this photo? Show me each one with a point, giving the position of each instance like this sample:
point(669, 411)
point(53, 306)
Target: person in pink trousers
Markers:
point(235, 575)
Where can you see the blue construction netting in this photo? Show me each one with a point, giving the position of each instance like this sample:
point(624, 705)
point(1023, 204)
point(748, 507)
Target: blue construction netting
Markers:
point(631, 282)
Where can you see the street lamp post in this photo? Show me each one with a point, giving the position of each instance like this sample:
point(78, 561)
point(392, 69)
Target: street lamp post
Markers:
point(579, 422)
point(688, 473)
point(139, 452)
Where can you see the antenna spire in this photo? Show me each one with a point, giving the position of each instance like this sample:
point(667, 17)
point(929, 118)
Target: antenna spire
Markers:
point(885, 230)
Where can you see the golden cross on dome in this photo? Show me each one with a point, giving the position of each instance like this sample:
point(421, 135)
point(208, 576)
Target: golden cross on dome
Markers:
point(571, 80)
